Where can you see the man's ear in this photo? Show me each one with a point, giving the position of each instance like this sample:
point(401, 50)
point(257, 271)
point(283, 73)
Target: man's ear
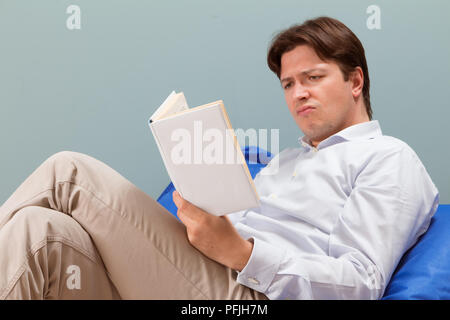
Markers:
point(357, 80)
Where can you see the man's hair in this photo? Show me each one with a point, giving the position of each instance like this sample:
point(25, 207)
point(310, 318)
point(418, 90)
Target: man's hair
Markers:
point(331, 40)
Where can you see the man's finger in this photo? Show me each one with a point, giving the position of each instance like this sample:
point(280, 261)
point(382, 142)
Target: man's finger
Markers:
point(186, 209)
point(177, 199)
point(181, 203)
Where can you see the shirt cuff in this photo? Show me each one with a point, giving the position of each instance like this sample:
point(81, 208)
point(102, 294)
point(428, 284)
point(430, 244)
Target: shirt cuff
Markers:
point(262, 266)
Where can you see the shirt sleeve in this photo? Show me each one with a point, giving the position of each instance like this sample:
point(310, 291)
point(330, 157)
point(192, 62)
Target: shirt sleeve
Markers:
point(390, 206)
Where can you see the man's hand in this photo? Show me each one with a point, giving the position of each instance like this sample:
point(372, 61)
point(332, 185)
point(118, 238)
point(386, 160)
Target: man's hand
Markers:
point(214, 236)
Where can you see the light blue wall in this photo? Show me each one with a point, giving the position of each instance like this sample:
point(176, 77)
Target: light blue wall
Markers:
point(92, 90)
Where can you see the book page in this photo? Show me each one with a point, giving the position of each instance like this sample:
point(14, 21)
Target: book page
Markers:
point(163, 106)
point(174, 103)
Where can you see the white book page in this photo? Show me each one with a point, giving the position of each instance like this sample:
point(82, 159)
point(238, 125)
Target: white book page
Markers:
point(174, 103)
point(163, 106)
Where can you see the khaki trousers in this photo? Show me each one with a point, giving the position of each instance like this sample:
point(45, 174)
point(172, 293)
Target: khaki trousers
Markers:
point(77, 229)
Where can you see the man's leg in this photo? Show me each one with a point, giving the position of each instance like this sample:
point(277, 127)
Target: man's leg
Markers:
point(47, 255)
point(144, 248)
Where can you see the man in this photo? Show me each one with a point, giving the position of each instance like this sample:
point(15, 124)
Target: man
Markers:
point(335, 216)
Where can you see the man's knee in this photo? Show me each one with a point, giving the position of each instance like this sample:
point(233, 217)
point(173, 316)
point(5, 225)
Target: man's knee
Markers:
point(63, 157)
point(70, 164)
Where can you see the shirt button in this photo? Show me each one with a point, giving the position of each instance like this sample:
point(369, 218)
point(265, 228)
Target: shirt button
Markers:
point(253, 280)
point(273, 195)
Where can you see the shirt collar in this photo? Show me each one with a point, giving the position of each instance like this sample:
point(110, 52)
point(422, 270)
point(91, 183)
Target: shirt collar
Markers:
point(361, 131)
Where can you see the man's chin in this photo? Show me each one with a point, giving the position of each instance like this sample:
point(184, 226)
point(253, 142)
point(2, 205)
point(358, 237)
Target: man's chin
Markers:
point(315, 136)
point(309, 128)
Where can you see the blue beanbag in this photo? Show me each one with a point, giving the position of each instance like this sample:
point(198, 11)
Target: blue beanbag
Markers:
point(423, 271)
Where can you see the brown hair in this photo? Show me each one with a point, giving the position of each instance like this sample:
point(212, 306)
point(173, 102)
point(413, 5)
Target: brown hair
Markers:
point(331, 40)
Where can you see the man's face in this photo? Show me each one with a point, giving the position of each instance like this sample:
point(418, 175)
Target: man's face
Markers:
point(319, 86)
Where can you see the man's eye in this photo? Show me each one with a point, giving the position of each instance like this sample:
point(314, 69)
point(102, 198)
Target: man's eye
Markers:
point(287, 85)
point(314, 77)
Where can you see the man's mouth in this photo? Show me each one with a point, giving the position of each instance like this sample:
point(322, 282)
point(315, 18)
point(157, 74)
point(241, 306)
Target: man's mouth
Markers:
point(305, 110)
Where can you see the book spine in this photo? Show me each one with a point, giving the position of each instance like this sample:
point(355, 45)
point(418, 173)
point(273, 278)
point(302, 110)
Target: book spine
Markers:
point(239, 151)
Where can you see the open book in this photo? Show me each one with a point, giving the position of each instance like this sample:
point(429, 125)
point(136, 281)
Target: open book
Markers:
point(202, 155)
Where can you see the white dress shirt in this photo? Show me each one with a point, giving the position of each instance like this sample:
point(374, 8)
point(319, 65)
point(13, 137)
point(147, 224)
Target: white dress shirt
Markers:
point(335, 220)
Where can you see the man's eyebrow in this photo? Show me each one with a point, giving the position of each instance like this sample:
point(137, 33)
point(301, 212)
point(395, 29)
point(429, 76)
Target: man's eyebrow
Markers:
point(304, 72)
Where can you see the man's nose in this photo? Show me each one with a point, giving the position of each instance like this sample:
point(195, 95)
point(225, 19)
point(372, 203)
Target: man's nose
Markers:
point(301, 92)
